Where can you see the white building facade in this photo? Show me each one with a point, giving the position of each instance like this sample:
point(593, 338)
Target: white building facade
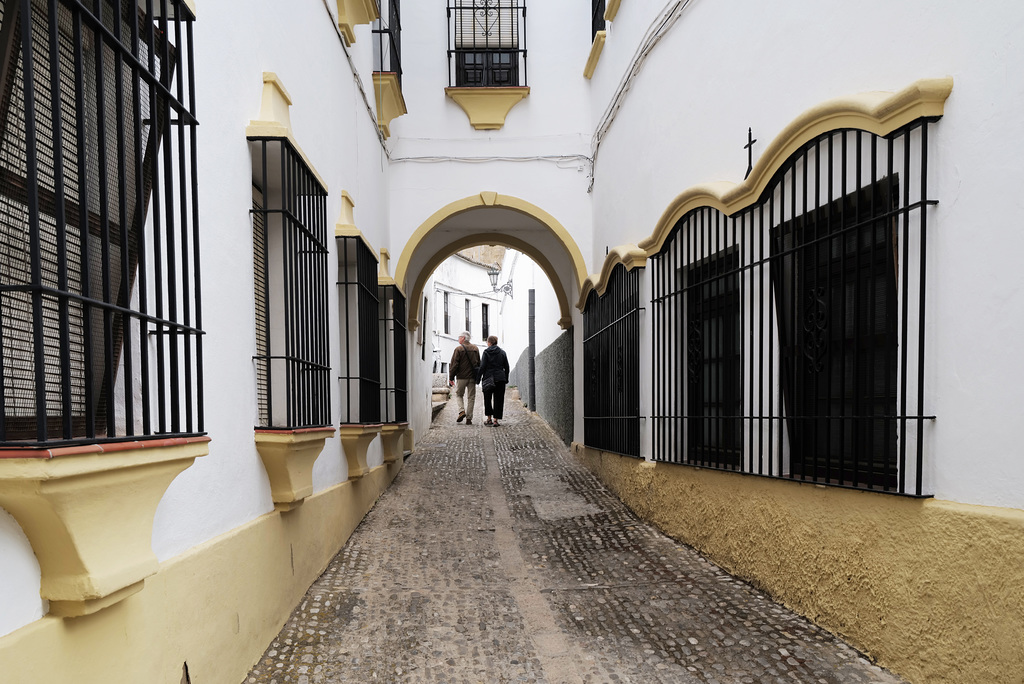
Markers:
point(782, 237)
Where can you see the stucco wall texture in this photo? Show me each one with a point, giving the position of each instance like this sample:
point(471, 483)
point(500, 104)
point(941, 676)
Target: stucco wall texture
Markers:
point(933, 590)
point(554, 381)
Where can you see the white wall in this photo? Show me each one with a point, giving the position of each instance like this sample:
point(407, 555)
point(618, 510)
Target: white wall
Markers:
point(727, 66)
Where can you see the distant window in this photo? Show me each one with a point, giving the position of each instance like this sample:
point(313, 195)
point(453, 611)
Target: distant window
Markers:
point(485, 327)
point(447, 317)
point(487, 43)
point(469, 317)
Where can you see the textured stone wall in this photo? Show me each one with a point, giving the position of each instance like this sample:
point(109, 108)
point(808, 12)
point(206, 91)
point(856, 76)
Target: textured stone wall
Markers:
point(554, 381)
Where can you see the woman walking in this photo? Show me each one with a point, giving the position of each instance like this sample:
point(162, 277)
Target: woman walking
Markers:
point(493, 378)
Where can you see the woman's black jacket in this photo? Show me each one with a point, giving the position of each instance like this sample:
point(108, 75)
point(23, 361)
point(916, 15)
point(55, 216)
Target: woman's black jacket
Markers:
point(494, 364)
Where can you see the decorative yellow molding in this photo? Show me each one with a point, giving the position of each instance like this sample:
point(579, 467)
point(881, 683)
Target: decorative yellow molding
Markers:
point(487, 107)
point(347, 217)
point(392, 439)
point(490, 199)
point(88, 513)
point(390, 103)
point(346, 227)
point(595, 53)
point(288, 456)
point(629, 256)
point(611, 8)
point(880, 113)
point(355, 440)
point(353, 12)
point(275, 118)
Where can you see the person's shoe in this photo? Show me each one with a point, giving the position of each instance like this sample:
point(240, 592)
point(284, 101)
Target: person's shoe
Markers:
point(462, 414)
point(469, 421)
point(488, 421)
point(496, 423)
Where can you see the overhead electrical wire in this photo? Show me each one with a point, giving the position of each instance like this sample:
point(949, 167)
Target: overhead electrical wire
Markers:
point(658, 29)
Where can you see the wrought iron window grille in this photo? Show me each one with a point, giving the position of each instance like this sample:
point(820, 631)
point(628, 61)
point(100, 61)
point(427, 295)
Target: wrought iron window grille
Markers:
point(487, 43)
point(359, 314)
point(394, 390)
point(289, 217)
point(100, 316)
point(611, 365)
point(789, 338)
point(387, 49)
point(485, 324)
point(597, 22)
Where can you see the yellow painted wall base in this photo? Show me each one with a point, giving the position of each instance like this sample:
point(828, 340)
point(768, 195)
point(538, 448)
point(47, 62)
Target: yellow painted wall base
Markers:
point(217, 607)
point(933, 590)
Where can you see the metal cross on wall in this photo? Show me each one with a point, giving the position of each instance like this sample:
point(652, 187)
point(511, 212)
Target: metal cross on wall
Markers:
point(749, 147)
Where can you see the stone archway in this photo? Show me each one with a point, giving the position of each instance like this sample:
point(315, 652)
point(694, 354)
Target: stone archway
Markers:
point(493, 219)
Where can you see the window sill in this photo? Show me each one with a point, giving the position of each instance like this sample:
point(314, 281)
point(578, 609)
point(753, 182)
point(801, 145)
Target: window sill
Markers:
point(390, 102)
point(353, 12)
point(487, 107)
point(88, 513)
point(595, 53)
point(288, 456)
point(392, 438)
point(355, 440)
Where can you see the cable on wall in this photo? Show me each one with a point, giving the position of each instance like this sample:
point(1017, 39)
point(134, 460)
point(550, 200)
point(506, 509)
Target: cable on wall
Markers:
point(658, 29)
point(359, 82)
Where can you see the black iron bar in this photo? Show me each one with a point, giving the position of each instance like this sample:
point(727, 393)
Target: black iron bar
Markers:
point(923, 260)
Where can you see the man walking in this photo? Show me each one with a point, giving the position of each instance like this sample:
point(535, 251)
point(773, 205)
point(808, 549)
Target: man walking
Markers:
point(463, 368)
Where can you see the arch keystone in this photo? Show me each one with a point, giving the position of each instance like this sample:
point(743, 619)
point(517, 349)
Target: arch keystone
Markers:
point(489, 198)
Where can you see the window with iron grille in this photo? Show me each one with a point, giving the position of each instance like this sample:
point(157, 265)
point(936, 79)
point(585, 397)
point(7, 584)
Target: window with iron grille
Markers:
point(611, 362)
point(394, 388)
point(487, 43)
point(714, 361)
point(485, 326)
point(797, 325)
point(447, 317)
point(359, 314)
point(469, 317)
point(100, 318)
point(597, 22)
point(289, 219)
point(387, 49)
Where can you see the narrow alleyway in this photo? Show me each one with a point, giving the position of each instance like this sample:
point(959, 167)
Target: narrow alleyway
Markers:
point(496, 558)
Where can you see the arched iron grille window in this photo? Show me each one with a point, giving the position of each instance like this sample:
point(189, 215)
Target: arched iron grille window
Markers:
point(360, 332)
point(611, 363)
point(99, 314)
point(290, 258)
point(789, 338)
point(487, 43)
point(394, 388)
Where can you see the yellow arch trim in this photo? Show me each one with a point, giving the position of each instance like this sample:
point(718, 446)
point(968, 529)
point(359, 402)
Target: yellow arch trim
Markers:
point(880, 113)
point(489, 239)
point(629, 256)
point(490, 199)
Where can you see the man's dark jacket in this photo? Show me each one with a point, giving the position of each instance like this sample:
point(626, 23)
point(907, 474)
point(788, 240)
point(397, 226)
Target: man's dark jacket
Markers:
point(464, 363)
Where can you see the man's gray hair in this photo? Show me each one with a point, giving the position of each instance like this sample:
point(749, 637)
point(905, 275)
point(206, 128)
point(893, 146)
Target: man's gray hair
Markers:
point(465, 333)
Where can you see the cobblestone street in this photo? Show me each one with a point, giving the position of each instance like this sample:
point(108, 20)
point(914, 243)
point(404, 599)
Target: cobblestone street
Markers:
point(495, 557)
